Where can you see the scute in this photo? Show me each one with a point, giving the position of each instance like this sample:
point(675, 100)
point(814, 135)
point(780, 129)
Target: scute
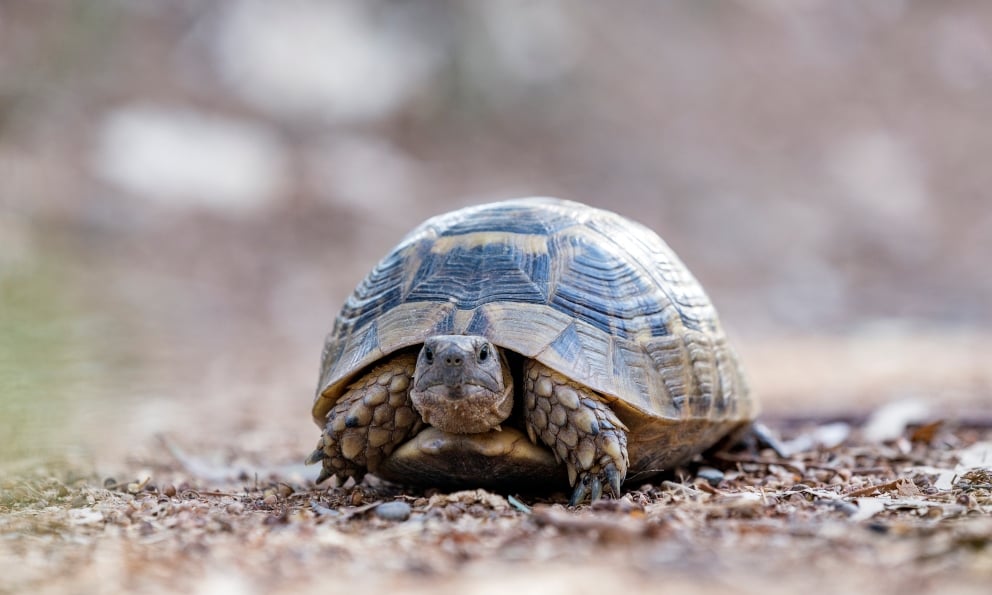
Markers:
point(470, 275)
point(586, 292)
point(511, 217)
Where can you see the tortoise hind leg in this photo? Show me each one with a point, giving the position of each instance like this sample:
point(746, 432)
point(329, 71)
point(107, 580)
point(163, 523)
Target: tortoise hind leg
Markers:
point(372, 418)
point(580, 428)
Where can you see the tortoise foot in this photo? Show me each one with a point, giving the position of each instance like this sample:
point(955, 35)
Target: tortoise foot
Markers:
point(591, 484)
point(581, 430)
point(368, 422)
point(334, 463)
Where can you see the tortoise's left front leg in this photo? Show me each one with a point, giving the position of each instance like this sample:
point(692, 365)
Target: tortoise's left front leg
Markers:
point(580, 428)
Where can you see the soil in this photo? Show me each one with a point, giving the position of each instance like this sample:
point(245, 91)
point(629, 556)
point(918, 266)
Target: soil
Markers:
point(911, 513)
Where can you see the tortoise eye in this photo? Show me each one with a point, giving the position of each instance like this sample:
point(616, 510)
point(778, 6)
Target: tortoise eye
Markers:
point(428, 355)
point(484, 353)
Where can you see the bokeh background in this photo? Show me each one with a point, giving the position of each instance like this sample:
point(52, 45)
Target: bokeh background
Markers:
point(189, 190)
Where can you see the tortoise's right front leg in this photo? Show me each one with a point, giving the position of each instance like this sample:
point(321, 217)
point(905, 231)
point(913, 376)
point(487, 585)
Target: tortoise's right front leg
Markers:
point(372, 418)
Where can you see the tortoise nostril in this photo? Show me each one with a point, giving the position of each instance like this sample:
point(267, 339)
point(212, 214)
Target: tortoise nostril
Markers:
point(453, 360)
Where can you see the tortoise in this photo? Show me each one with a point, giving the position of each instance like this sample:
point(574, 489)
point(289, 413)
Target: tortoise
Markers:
point(528, 342)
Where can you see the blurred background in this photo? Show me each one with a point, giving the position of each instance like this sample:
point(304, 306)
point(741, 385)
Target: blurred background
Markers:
point(189, 190)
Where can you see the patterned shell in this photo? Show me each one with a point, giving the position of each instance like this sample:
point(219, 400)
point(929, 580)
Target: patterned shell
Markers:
point(595, 296)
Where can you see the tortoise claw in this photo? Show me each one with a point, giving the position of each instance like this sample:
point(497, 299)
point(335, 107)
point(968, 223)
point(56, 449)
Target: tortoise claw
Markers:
point(581, 489)
point(316, 456)
point(613, 478)
point(596, 491)
point(593, 485)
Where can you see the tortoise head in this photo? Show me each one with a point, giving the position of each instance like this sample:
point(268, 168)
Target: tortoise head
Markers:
point(462, 384)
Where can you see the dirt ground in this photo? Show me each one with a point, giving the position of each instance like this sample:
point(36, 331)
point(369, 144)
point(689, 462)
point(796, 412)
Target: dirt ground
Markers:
point(913, 514)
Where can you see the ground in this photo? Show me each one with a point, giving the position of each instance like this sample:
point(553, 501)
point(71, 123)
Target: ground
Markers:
point(909, 513)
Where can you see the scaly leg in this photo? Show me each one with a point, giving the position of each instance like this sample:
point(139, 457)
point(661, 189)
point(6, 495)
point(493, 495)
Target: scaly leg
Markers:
point(580, 428)
point(372, 418)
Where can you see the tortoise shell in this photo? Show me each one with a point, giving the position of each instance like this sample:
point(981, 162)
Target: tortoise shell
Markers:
point(588, 293)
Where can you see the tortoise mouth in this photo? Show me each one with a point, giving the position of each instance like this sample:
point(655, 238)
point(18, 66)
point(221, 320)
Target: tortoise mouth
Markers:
point(499, 459)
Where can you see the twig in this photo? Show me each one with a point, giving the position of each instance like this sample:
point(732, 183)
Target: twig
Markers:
point(518, 505)
point(353, 512)
point(687, 490)
point(322, 510)
point(882, 487)
point(759, 461)
point(216, 494)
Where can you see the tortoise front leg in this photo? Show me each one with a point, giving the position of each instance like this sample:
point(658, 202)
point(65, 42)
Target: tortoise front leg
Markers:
point(580, 428)
point(372, 418)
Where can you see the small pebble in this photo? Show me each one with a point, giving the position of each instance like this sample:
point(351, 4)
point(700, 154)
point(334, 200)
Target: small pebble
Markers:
point(169, 490)
point(393, 511)
point(844, 507)
point(711, 475)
